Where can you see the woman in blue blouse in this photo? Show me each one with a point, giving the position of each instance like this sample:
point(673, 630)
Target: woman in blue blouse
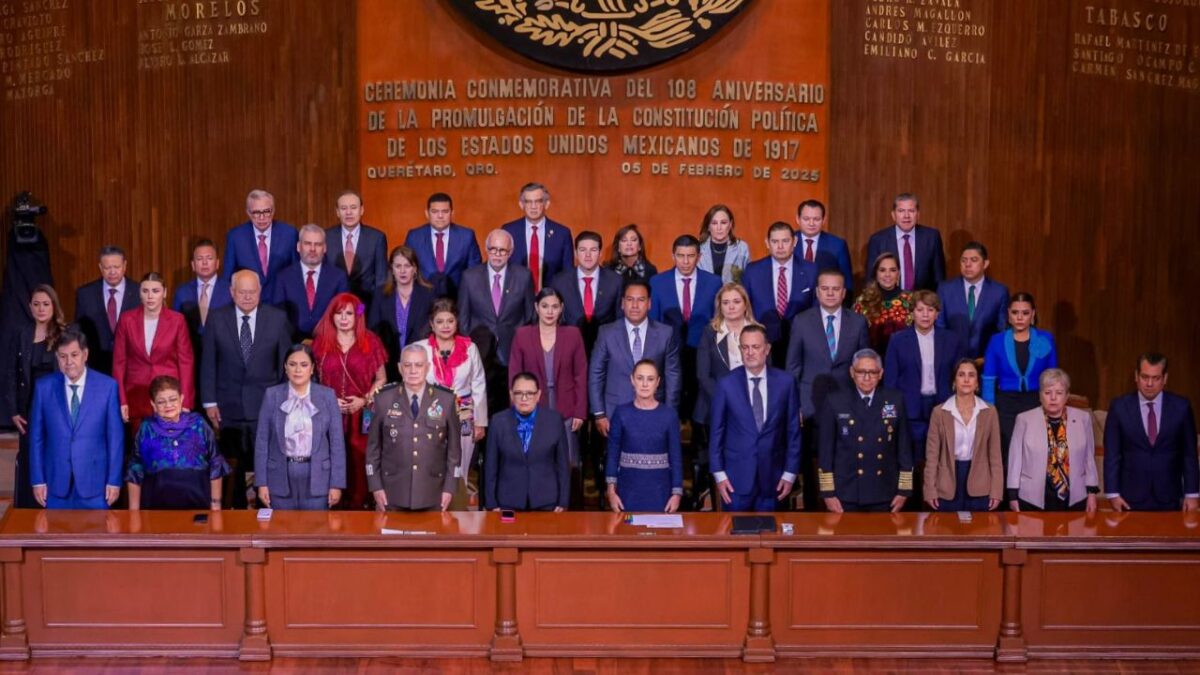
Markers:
point(645, 461)
point(175, 463)
point(1012, 364)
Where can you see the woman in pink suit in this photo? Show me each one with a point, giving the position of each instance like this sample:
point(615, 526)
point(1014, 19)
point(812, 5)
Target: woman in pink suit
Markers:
point(151, 340)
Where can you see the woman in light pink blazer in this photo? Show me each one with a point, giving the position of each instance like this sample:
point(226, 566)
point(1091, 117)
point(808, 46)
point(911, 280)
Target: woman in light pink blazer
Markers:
point(1052, 457)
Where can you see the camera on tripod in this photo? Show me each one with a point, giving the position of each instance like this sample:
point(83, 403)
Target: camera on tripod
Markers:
point(24, 217)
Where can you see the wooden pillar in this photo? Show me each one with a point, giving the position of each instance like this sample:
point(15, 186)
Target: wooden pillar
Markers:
point(1011, 645)
point(506, 642)
point(14, 641)
point(255, 646)
point(760, 646)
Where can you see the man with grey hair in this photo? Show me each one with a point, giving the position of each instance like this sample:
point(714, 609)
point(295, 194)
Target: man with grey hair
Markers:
point(864, 458)
point(496, 297)
point(918, 249)
point(304, 290)
point(539, 243)
point(261, 244)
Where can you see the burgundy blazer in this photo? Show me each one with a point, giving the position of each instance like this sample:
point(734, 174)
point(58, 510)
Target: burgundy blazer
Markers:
point(171, 355)
point(570, 367)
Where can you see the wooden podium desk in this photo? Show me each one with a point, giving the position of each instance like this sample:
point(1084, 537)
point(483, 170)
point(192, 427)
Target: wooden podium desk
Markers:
point(1004, 586)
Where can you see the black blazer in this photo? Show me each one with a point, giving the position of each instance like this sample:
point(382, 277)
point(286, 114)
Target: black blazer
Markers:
point(475, 309)
point(606, 296)
point(19, 397)
point(235, 386)
point(537, 480)
point(929, 258)
point(91, 313)
point(370, 260)
point(381, 319)
point(712, 364)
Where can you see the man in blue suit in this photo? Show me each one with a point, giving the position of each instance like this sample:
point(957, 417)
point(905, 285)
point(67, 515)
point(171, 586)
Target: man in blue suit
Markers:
point(196, 297)
point(917, 248)
point(815, 245)
point(973, 306)
point(444, 249)
point(539, 243)
point(754, 447)
point(357, 249)
point(76, 437)
point(261, 244)
point(305, 289)
point(780, 286)
point(1150, 461)
point(100, 303)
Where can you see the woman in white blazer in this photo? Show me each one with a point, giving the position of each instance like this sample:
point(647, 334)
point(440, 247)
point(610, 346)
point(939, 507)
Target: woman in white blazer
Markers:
point(1052, 457)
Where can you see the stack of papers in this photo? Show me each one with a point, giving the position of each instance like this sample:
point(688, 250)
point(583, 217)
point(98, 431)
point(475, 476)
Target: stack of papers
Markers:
point(657, 520)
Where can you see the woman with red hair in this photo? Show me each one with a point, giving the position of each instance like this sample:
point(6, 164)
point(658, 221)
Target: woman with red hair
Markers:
point(350, 360)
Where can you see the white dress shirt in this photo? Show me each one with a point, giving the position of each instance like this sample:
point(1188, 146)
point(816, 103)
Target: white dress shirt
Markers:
point(491, 279)
point(433, 240)
point(928, 370)
point(816, 246)
point(721, 476)
point(305, 269)
point(964, 432)
point(81, 383)
point(912, 242)
point(978, 289)
point(353, 235)
point(787, 279)
point(258, 233)
point(594, 275)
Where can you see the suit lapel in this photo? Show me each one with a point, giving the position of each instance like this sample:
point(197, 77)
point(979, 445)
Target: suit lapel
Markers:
point(89, 400)
point(60, 398)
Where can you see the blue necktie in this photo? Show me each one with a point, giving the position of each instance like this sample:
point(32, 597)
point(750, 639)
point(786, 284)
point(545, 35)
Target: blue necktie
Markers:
point(637, 345)
point(245, 339)
point(74, 403)
point(830, 337)
point(415, 406)
point(756, 404)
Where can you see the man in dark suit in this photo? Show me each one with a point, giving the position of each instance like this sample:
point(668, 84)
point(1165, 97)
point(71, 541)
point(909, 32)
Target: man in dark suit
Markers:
point(1150, 461)
point(198, 296)
point(591, 293)
point(261, 244)
point(539, 243)
point(497, 297)
point(780, 286)
point(358, 250)
point(527, 466)
point(76, 437)
point(815, 245)
point(754, 447)
point(99, 304)
point(920, 365)
point(245, 345)
point(974, 306)
point(917, 248)
point(444, 249)
point(304, 290)
point(863, 453)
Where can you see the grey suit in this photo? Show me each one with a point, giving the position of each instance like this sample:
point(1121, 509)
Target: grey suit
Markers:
point(808, 358)
point(327, 466)
point(475, 308)
point(612, 364)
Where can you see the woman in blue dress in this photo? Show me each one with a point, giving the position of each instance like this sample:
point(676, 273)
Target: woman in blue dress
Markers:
point(645, 460)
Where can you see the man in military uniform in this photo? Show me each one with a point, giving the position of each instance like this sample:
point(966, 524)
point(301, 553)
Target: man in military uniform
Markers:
point(864, 458)
point(414, 444)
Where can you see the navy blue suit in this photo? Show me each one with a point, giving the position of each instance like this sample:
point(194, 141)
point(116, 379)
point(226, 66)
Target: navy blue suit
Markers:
point(606, 301)
point(665, 307)
point(760, 282)
point(370, 271)
point(991, 313)
point(929, 260)
point(833, 253)
point(755, 459)
point(462, 253)
point(187, 302)
point(241, 253)
point(1151, 477)
point(902, 371)
point(291, 297)
point(559, 254)
point(76, 461)
point(535, 480)
point(91, 313)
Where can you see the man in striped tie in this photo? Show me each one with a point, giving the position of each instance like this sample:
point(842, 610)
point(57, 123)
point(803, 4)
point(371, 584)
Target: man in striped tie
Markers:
point(780, 286)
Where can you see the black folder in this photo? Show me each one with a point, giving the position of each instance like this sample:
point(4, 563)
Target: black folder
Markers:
point(753, 524)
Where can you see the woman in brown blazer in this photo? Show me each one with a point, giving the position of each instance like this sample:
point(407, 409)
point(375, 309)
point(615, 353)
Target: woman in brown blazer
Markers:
point(963, 466)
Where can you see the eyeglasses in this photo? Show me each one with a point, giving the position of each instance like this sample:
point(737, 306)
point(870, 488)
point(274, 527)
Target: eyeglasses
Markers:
point(524, 394)
point(867, 373)
point(496, 250)
point(262, 212)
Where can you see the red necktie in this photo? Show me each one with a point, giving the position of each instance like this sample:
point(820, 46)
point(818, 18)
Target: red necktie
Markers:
point(348, 251)
point(1151, 423)
point(687, 299)
point(808, 252)
point(535, 261)
point(262, 253)
point(439, 251)
point(310, 289)
point(781, 293)
point(589, 303)
point(112, 309)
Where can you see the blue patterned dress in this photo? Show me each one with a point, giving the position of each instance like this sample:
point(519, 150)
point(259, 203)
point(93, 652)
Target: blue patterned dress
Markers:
point(175, 462)
point(645, 459)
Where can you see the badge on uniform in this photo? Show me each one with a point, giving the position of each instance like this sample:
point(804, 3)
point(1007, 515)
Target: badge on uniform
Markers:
point(844, 422)
point(370, 470)
point(889, 411)
point(435, 412)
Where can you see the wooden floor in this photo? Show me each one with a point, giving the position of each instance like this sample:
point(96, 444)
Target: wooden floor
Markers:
point(588, 666)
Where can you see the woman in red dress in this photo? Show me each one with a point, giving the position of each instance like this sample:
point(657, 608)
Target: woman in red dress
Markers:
point(350, 360)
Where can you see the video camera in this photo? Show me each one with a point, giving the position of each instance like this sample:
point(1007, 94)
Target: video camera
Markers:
point(24, 217)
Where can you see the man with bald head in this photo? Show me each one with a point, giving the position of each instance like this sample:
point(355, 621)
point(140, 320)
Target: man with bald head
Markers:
point(243, 352)
point(496, 297)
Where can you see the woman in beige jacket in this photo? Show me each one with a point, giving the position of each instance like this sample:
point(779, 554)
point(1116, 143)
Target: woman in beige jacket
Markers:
point(963, 466)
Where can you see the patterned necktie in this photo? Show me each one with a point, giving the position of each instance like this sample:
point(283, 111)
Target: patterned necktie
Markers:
point(262, 253)
point(439, 252)
point(589, 302)
point(830, 336)
point(687, 299)
point(808, 252)
point(111, 309)
point(310, 290)
point(909, 268)
point(535, 259)
point(1151, 423)
point(496, 294)
point(971, 303)
point(781, 293)
point(203, 303)
point(637, 345)
point(245, 339)
point(416, 406)
point(760, 408)
point(74, 403)
point(348, 252)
